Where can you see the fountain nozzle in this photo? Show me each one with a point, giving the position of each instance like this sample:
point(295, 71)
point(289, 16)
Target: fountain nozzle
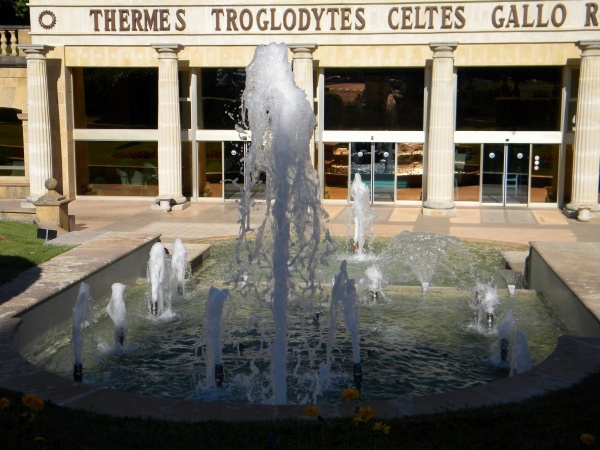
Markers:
point(357, 372)
point(154, 309)
point(77, 372)
point(490, 320)
point(316, 318)
point(219, 375)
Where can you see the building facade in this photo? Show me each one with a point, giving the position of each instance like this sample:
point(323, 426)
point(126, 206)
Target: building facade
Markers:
point(486, 103)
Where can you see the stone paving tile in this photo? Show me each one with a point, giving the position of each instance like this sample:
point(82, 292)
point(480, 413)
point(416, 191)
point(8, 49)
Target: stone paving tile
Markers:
point(467, 216)
point(550, 217)
point(493, 216)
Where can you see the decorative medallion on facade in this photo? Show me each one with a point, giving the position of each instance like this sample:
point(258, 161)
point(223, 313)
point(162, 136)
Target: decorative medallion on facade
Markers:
point(47, 19)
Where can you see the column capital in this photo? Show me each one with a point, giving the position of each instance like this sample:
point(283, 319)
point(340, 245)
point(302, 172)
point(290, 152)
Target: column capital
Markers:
point(443, 49)
point(34, 51)
point(167, 50)
point(302, 51)
point(589, 48)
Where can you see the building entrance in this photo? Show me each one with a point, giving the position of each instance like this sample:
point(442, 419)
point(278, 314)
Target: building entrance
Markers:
point(375, 162)
point(505, 169)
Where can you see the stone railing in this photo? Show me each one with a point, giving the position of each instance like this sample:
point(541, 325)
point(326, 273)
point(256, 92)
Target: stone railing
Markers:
point(10, 37)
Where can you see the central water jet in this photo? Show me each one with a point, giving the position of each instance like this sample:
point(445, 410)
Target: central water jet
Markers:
point(292, 237)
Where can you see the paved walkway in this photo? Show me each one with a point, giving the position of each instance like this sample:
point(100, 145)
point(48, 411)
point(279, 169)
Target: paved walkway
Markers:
point(208, 220)
point(218, 219)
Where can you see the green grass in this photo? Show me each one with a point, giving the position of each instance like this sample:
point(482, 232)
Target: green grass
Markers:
point(554, 421)
point(20, 249)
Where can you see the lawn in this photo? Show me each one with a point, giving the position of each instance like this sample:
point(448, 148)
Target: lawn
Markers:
point(20, 249)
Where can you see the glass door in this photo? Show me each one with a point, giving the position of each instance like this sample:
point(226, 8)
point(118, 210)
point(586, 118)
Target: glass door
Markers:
point(375, 162)
point(505, 170)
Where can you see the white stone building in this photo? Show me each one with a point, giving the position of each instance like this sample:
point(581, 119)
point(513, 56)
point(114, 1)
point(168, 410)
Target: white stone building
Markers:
point(487, 103)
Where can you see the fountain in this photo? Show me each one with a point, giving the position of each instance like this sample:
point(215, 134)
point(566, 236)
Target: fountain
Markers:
point(362, 215)
point(117, 311)
point(158, 277)
point(419, 254)
point(511, 348)
point(512, 279)
point(371, 285)
point(485, 301)
point(211, 336)
point(292, 238)
point(179, 267)
point(80, 314)
point(344, 292)
point(275, 268)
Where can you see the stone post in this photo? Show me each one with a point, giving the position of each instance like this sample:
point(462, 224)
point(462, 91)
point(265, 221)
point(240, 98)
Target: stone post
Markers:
point(302, 66)
point(52, 209)
point(440, 157)
point(586, 148)
point(170, 195)
point(39, 138)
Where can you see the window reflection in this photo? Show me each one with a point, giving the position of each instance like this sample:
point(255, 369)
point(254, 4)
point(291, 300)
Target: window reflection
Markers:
point(467, 162)
point(221, 95)
point(118, 98)
point(374, 99)
point(117, 168)
point(11, 144)
point(409, 181)
point(509, 98)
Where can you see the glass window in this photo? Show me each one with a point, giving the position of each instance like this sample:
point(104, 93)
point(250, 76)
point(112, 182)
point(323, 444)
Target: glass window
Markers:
point(221, 93)
point(336, 164)
point(119, 98)
point(210, 169)
point(467, 159)
point(117, 168)
point(544, 173)
point(11, 144)
point(509, 98)
point(374, 99)
point(409, 180)
point(185, 104)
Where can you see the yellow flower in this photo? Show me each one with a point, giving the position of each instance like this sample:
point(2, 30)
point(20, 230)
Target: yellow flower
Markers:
point(312, 411)
point(33, 402)
point(365, 414)
point(380, 426)
point(350, 394)
point(4, 403)
point(588, 439)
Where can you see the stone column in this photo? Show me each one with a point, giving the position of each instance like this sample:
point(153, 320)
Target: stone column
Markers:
point(302, 65)
point(586, 151)
point(39, 136)
point(440, 156)
point(170, 195)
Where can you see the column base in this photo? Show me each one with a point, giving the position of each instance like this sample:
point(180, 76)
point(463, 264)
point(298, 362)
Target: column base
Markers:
point(167, 203)
point(439, 208)
point(582, 212)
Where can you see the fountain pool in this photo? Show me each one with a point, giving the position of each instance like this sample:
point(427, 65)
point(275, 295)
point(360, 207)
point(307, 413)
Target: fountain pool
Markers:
point(411, 343)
